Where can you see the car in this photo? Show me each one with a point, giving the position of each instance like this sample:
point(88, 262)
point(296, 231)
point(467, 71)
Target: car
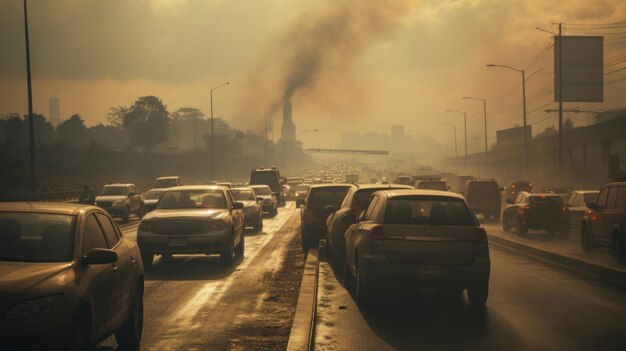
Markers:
point(69, 279)
point(461, 182)
point(406, 239)
point(578, 204)
point(151, 198)
point(519, 185)
point(193, 219)
point(605, 223)
point(536, 211)
point(269, 201)
point(355, 200)
point(484, 197)
point(291, 183)
point(316, 209)
point(167, 182)
point(300, 194)
point(226, 184)
point(252, 208)
point(404, 180)
point(562, 192)
point(271, 178)
point(121, 200)
point(432, 184)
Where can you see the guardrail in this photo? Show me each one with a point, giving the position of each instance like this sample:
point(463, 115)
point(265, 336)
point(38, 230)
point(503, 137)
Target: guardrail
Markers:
point(49, 196)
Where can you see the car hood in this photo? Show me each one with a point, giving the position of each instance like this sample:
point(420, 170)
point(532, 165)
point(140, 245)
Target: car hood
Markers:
point(110, 198)
point(204, 213)
point(19, 279)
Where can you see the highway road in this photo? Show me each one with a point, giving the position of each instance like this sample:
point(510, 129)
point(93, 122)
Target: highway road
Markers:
point(532, 306)
point(194, 302)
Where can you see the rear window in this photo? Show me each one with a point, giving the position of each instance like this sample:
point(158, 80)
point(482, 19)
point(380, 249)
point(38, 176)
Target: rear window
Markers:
point(482, 187)
point(591, 197)
point(166, 183)
point(433, 186)
point(263, 191)
point(264, 177)
point(522, 186)
point(428, 210)
point(549, 201)
point(327, 195)
point(243, 195)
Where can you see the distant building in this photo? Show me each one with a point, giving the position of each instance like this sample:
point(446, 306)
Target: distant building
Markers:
point(605, 116)
point(54, 115)
point(288, 130)
point(397, 139)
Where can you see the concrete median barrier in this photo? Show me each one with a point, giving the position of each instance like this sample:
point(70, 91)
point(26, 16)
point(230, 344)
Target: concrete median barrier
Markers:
point(303, 328)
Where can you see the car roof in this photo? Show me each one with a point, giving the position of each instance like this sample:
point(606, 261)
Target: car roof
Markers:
point(382, 186)
point(46, 207)
point(198, 187)
point(330, 185)
point(118, 184)
point(168, 177)
point(405, 192)
point(543, 194)
point(585, 191)
point(258, 186)
point(242, 188)
point(615, 184)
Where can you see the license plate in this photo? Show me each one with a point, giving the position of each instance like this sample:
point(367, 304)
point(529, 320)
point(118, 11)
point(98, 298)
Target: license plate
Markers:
point(177, 242)
point(430, 270)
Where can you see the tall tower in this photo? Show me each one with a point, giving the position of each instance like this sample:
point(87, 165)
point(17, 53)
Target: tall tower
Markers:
point(54, 116)
point(288, 130)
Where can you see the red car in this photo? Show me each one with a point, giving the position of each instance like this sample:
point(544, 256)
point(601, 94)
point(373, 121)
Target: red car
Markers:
point(536, 211)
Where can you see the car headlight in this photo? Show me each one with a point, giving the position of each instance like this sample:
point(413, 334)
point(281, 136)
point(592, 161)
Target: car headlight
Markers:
point(118, 203)
point(218, 225)
point(146, 226)
point(39, 307)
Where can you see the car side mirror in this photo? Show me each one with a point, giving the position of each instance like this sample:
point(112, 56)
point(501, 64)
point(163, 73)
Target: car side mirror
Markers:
point(509, 201)
point(259, 199)
point(349, 219)
point(100, 256)
point(238, 206)
point(329, 209)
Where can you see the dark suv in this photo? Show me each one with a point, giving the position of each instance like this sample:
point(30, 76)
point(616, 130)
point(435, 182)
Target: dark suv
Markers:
point(605, 223)
point(536, 211)
point(483, 196)
point(271, 178)
point(321, 200)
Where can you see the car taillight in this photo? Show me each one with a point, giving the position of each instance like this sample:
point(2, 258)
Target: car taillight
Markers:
point(377, 236)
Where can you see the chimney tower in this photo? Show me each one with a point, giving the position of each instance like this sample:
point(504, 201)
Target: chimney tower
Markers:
point(288, 130)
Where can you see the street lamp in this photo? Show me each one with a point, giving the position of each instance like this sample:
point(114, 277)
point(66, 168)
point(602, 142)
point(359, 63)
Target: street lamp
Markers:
point(524, 109)
point(485, 114)
point(456, 153)
point(299, 135)
point(465, 122)
point(31, 122)
point(213, 134)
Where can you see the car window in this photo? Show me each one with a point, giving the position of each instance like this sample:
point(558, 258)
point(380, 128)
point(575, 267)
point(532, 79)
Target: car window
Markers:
point(428, 210)
point(621, 198)
point(602, 197)
point(326, 195)
point(589, 197)
point(572, 200)
point(93, 237)
point(377, 209)
point(243, 195)
point(370, 207)
point(231, 198)
point(546, 201)
point(263, 190)
point(347, 200)
point(612, 198)
point(113, 191)
point(193, 198)
point(518, 199)
point(109, 231)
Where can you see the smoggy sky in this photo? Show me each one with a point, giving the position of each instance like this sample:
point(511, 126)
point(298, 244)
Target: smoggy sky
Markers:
point(348, 65)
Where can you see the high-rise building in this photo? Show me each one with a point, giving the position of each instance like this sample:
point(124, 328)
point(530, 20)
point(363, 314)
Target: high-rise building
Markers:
point(54, 116)
point(288, 130)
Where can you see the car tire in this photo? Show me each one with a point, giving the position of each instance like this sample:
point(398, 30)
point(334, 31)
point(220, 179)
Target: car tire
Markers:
point(258, 227)
point(617, 246)
point(142, 211)
point(241, 247)
point(126, 216)
point(586, 241)
point(521, 228)
point(477, 295)
point(146, 259)
point(227, 257)
point(361, 292)
point(129, 335)
point(505, 224)
point(78, 339)
point(275, 211)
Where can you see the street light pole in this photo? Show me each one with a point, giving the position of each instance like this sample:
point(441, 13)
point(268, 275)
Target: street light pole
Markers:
point(485, 118)
point(524, 109)
point(213, 134)
point(465, 123)
point(456, 153)
point(31, 122)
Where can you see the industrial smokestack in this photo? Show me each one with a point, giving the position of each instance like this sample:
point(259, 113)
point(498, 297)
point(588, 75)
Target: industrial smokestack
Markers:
point(288, 131)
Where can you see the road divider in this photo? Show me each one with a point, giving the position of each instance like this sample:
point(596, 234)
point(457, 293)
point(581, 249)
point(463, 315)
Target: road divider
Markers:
point(609, 275)
point(303, 328)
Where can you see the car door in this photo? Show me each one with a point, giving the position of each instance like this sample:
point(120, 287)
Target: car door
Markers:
point(123, 269)
point(355, 232)
point(596, 225)
point(100, 277)
point(614, 211)
point(135, 203)
point(572, 203)
point(237, 217)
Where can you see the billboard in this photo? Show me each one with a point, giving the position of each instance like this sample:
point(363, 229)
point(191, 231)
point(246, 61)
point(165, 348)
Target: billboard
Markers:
point(582, 71)
point(513, 134)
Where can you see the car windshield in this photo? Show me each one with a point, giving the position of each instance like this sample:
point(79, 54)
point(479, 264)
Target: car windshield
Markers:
point(114, 191)
point(428, 210)
point(243, 195)
point(362, 196)
point(522, 186)
point(153, 194)
point(36, 237)
point(591, 197)
point(327, 195)
point(264, 177)
point(263, 191)
point(551, 201)
point(166, 183)
point(190, 199)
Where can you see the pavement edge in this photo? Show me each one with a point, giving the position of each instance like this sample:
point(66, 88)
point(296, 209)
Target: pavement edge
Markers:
point(303, 327)
point(604, 274)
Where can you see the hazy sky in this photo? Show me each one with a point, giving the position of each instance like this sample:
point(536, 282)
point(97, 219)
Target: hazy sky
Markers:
point(369, 63)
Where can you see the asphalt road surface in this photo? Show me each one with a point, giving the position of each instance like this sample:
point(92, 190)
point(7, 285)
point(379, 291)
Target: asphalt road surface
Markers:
point(531, 306)
point(194, 302)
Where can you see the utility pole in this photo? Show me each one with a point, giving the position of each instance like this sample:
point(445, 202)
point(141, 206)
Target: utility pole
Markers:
point(456, 151)
point(465, 122)
point(265, 139)
point(560, 73)
point(31, 122)
point(525, 124)
point(485, 120)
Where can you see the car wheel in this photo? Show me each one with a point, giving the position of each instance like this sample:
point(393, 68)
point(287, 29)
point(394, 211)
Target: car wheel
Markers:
point(78, 339)
point(258, 227)
point(228, 256)
point(126, 217)
point(505, 224)
point(275, 211)
point(146, 259)
point(241, 247)
point(617, 246)
point(129, 335)
point(586, 241)
point(142, 212)
point(360, 291)
point(521, 228)
point(477, 295)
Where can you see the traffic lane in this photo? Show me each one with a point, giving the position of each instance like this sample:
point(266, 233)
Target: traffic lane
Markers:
point(192, 301)
point(530, 306)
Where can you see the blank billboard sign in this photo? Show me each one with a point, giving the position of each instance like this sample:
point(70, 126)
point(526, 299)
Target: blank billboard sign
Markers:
point(515, 133)
point(583, 71)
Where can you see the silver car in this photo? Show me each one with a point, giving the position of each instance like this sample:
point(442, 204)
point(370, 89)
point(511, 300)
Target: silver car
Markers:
point(407, 239)
point(121, 200)
point(193, 219)
point(270, 200)
point(151, 198)
point(252, 209)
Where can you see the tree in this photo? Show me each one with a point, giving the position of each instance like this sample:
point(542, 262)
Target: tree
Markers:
point(107, 136)
point(116, 115)
point(72, 131)
point(147, 122)
point(44, 131)
point(16, 129)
